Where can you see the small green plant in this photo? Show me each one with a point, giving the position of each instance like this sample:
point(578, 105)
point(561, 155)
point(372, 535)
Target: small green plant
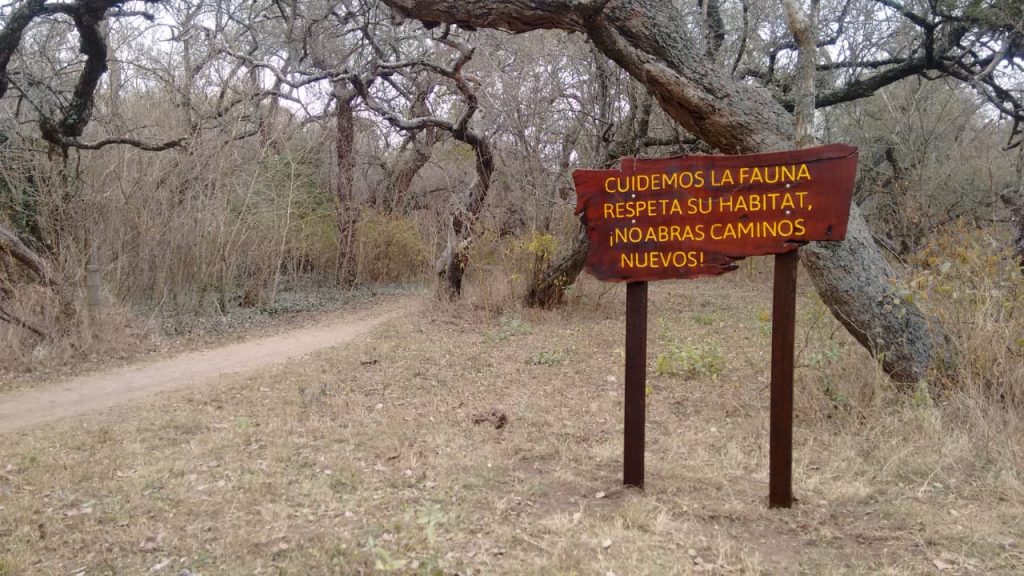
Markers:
point(764, 322)
point(704, 319)
point(388, 249)
point(509, 325)
point(548, 358)
point(430, 519)
point(690, 361)
point(386, 562)
point(922, 396)
point(821, 361)
point(824, 358)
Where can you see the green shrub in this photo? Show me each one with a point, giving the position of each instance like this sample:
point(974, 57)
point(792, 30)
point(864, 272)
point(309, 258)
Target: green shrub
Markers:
point(704, 319)
point(388, 249)
point(548, 358)
point(509, 324)
point(690, 361)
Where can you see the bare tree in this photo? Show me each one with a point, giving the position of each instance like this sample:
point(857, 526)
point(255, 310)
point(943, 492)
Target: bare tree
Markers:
point(616, 136)
point(61, 117)
point(452, 263)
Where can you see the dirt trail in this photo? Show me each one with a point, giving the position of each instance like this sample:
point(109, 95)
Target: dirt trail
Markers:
point(27, 408)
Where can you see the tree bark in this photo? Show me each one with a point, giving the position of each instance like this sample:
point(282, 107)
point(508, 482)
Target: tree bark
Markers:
point(803, 25)
point(1013, 198)
point(415, 152)
point(451, 266)
point(344, 153)
point(916, 350)
point(12, 318)
point(548, 291)
point(413, 156)
point(113, 76)
point(648, 39)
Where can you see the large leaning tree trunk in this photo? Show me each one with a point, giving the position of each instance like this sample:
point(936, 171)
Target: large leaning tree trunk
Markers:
point(803, 25)
point(648, 38)
point(11, 245)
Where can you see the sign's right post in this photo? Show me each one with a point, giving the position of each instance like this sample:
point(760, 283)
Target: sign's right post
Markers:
point(780, 435)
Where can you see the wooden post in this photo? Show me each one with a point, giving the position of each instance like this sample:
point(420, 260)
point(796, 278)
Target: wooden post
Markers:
point(780, 443)
point(636, 384)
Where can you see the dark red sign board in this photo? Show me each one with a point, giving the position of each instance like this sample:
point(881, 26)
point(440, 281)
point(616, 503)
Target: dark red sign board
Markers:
point(691, 216)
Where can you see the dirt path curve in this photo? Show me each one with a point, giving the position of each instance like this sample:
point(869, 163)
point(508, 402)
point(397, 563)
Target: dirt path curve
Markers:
point(27, 408)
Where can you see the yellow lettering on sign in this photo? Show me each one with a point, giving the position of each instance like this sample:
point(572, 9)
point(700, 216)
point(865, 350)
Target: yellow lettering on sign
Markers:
point(768, 201)
point(673, 233)
point(653, 182)
point(662, 259)
point(763, 175)
point(699, 206)
point(621, 184)
point(722, 179)
point(781, 229)
point(643, 209)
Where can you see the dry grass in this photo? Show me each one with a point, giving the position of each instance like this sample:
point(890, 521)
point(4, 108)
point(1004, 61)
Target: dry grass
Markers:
point(366, 459)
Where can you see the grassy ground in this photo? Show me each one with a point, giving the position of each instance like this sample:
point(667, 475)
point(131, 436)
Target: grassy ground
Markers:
point(366, 459)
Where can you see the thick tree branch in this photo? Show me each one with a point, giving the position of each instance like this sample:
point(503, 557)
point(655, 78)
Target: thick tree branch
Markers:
point(12, 245)
point(914, 17)
point(863, 88)
point(12, 318)
point(133, 142)
point(10, 36)
point(86, 16)
point(520, 16)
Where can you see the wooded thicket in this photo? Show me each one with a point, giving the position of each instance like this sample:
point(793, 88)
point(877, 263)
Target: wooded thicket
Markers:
point(197, 156)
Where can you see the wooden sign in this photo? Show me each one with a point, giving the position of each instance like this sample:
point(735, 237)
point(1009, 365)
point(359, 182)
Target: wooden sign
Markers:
point(691, 216)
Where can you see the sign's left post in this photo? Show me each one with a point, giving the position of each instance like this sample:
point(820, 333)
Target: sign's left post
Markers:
point(636, 384)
